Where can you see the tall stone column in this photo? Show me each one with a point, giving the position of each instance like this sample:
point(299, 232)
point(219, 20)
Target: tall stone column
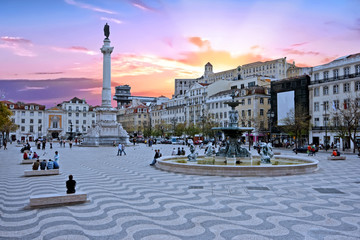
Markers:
point(106, 90)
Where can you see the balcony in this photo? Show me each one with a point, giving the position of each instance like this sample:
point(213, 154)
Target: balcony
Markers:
point(332, 79)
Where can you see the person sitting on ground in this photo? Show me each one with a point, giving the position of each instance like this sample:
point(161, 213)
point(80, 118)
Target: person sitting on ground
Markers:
point(36, 165)
point(43, 165)
point(50, 165)
point(70, 185)
point(30, 156)
point(35, 156)
point(25, 156)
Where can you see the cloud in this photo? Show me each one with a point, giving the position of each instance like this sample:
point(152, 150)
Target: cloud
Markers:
point(75, 49)
point(19, 46)
point(298, 44)
point(31, 88)
point(114, 20)
point(90, 7)
point(199, 42)
point(299, 52)
point(141, 5)
point(46, 73)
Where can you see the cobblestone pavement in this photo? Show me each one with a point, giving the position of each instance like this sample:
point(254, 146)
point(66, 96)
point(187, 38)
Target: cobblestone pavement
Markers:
point(128, 199)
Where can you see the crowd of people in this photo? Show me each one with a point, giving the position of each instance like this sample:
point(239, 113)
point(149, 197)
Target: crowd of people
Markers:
point(43, 165)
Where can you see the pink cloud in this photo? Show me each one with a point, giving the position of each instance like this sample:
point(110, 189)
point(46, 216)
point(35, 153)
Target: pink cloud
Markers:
point(75, 49)
point(298, 44)
point(19, 46)
point(199, 42)
point(114, 20)
point(88, 6)
point(299, 52)
point(141, 5)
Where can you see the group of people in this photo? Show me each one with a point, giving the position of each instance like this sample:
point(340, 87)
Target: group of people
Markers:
point(179, 151)
point(43, 165)
point(311, 150)
point(335, 153)
point(121, 149)
point(42, 144)
point(30, 155)
point(156, 156)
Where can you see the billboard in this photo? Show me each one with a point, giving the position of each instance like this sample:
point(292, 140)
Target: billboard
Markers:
point(285, 102)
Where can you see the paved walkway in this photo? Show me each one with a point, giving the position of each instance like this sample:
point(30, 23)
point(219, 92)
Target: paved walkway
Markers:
point(131, 200)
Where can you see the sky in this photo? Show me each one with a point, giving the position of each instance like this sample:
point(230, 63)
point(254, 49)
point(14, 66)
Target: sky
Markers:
point(50, 50)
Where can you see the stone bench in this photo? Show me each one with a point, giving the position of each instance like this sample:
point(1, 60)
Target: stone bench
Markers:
point(336, 158)
point(30, 173)
point(277, 153)
point(30, 161)
point(57, 199)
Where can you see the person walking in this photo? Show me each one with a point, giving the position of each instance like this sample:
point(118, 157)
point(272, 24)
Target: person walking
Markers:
point(5, 143)
point(119, 149)
point(123, 149)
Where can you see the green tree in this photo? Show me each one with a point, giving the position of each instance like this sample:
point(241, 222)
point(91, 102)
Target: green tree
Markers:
point(6, 125)
point(192, 130)
point(179, 129)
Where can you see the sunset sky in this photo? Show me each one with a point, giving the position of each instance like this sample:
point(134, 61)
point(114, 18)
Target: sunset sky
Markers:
point(50, 50)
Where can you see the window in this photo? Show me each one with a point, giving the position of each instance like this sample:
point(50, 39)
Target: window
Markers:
point(22, 128)
point(77, 121)
point(346, 87)
point(84, 109)
point(326, 121)
point(40, 114)
point(326, 106)
point(269, 101)
point(357, 70)
point(69, 108)
point(37, 107)
point(346, 103)
point(335, 104)
point(336, 89)
point(84, 114)
point(249, 112)
point(261, 112)
point(93, 115)
point(23, 113)
point(77, 108)
point(217, 105)
point(225, 114)
point(316, 106)
point(39, 121)
point(26, 107)
point(357, 86)
point(336, 73)
point(92, 121)
point(31, 114)
point(221, 115)
point(31, 120)
point(249, 101)
point(243, 113)
point(316, 76)
point(31, 128)
point(326, 75)
point(316, 122)
point(55, 124)
point(69, 114)
point(69, 121)
point(249, 123)
point(84, 121)
point(22, 120)
point(325, 90)
point(346, 71)
point(77, 114)
point(261, 100)
point(316, 92)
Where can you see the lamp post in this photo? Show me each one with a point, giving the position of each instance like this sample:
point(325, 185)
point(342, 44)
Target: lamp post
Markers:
point(71, 129)
point(270, 115)
point(325, 105)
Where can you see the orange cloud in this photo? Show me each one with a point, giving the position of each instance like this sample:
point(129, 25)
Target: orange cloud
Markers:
point(199, 42)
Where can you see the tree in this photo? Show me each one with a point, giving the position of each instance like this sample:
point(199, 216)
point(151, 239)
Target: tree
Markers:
point(6, 125)
point(296, 124)
point(179, 129)
point(192, 130)
point(347, 119)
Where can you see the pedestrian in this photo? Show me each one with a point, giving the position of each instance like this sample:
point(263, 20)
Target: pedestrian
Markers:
point(43, 145)
point(70, 144)
point(60, 142)
point(50, 145)
point(56, 157)
point(5, 143)
point(119, 149)
point(178, 152)
point(123, 149)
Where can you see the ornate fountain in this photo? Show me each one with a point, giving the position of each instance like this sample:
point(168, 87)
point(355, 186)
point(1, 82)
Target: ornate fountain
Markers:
point(232, 152)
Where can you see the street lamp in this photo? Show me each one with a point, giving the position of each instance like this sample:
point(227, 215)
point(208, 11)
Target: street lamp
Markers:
point(325, 105)
point(71, 129)
point(270, 114)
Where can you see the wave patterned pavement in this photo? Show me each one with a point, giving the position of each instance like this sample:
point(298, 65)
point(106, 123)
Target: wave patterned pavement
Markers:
point(128, 199)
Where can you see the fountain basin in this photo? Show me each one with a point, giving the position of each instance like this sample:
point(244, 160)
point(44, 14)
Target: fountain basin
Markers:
point(281, 166)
